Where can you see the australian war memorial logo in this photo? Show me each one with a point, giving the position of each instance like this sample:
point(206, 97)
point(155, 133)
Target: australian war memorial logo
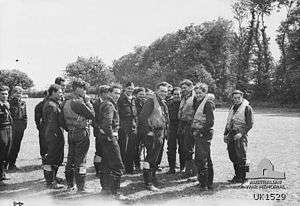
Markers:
point(265, 177)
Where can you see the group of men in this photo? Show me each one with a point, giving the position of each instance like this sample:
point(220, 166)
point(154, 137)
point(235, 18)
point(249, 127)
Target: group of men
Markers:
point(127, 121)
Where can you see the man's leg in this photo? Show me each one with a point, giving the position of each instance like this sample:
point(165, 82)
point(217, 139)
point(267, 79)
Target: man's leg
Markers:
point(172, 147)
point(43, 145)
point(241, 149)
point(18, 133)
point(189, 144)
point(69, 169)
point(233, 158)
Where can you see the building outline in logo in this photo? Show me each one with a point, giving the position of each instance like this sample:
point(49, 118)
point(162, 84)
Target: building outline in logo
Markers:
point(265, 170)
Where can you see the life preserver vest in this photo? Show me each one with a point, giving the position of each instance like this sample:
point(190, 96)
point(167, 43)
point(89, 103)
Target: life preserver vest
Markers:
point(237, 121)
point(186, 110)
point(156, 118)
point(199, 117)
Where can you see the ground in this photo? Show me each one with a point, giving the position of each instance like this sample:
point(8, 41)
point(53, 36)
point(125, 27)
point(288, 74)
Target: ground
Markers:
point(275, 136)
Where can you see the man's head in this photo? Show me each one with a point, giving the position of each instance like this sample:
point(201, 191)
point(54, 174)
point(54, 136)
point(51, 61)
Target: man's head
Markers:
point(201, 90)
point(129, 88)
point(103, 90)
point(186, 87)
point(162, 90)
point(177, 93)
point(4, 93)
point(114, 92)
point(140, 92)
point(17, 92)
point(237, 96)
point(79, 87)
point(149, 93)
point(60, 81)
point(55, 92)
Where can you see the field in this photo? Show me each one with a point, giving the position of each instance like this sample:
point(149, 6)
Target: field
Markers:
point(275, 136)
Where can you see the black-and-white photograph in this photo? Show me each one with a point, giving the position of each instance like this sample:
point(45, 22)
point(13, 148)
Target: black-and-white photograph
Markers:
point(149, 102)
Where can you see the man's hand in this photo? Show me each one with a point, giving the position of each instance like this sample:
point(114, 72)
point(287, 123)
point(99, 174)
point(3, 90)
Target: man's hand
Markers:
point(226, 139)
point(237, 136)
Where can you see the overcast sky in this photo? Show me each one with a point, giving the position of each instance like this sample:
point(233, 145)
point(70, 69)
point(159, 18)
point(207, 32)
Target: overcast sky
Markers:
point(46, 35)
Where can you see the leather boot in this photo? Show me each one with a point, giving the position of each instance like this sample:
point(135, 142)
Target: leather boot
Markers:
point(80, 182)
point(148, 180)
point(69, 174)
point(97, 166)
point(188, 170)
point(210, 178)
point(154, 178)
point(202, 178)
point(105, 183)
point(57, 179)
point(115, 188)
point(50, 180)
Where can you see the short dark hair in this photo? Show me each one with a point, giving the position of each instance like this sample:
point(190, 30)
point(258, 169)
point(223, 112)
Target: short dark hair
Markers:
point(237, 92)
point(79, 83)
point(164, 84)
point(186, 82)
point(4, 88)
point(53, 88)
point(58, 80)
point(202, 86)
point(138, 89)
point(114, 86)
point(103, 89)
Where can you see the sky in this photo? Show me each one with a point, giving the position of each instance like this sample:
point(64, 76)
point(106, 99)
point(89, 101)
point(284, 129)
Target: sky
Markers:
point(46, 35)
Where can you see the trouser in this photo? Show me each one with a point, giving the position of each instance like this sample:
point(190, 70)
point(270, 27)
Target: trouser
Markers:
point(175, 139)
point(153, 146)
point(160, 156)
point(111, 166)
point(203, 161)
point(79, 142)
point(138, 149)
point(98, 154)
point(18, 129)
point(237, 154)
point(127, 142)
point(189, 144)
point(43, 144)
point(5, 146)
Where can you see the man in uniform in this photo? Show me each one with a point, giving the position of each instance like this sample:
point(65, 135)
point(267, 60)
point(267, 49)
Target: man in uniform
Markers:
point(19, 115)
point(78, 113)
point(97, 104)
point(38, 110)
point(203, 132)
point(52, 118)
point(185, 115)
point(153, 121)
point(5, 131)
point(239, 122)
point(111, 166)
point(173, 138)
point(128, 127)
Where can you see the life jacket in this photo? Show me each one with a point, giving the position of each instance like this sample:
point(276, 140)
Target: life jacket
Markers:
point(186, 110)
point(72, 119)
point(199, 117)
point(5, 117)
point(156, 118)
point(237, 121)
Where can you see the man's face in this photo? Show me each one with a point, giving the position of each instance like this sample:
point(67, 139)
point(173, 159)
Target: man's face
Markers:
point(237, 98)
point(57, 95)
point(185, 89)
point(4, 96)
point(18, 94)
point(162, 92)
point(115, 94)
point(63, 85)
point(200, 93)
point(141, 95)
point(177, 95)
point(80, 91)
point(129, 90)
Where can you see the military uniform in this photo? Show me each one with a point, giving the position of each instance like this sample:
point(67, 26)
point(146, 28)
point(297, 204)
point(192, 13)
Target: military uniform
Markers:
point(111, 165)
point(5, 136)
point(19, 115)
point(128, 131)
point(185, 115)
point(174, 138)
point(203, 132)
point(153, 121)
point(138, 147)
point(240, 120)
point(77, 115)
point(52, 118)
point(40, 125)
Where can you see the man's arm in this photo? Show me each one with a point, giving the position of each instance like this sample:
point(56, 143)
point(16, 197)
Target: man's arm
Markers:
point(209, 112)
point(249, 118)
point(38, 110)
point(108, 115)
point(79, 107)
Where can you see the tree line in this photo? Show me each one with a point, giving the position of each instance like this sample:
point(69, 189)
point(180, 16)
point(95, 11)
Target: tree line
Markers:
point(225, 54)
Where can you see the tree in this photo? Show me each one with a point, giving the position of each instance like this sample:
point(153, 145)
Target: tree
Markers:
point(91, 70)
point(12, 78)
